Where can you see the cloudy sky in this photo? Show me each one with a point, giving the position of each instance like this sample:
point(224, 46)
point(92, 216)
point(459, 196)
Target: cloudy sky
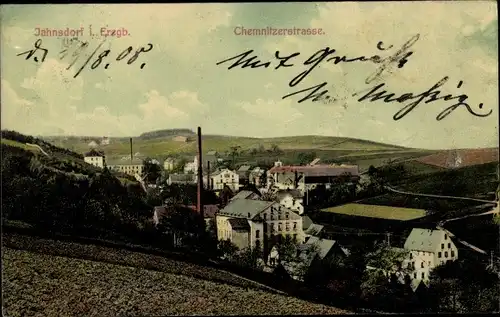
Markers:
point(182, 87)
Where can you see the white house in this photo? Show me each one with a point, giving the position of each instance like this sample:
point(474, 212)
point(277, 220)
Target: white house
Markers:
point(130, 167)
point(250, 222)
point(291, 199)
point(95, 158)
point(427, 250)
point(223, 178)
point(105, 141)
point(191, 167)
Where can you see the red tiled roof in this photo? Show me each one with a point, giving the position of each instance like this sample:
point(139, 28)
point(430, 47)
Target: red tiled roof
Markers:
point(318, 170)
point(461, 158)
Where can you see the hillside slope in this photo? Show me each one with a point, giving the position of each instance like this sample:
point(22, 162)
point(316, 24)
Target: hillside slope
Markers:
point(35, 282)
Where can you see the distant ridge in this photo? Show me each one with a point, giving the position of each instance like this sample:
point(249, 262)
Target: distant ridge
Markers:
point(166, 133)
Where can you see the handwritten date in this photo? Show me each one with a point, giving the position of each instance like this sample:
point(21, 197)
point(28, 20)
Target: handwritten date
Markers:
point(77, 49)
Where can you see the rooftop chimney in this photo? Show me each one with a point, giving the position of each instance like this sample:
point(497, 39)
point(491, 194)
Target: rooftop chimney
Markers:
point(200, 174)
point(131, 153)
point(209, 183)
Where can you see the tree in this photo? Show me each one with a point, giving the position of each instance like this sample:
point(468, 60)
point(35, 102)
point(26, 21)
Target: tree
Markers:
point(306, 157)
point(455, 291)
point(287, 249)
point(275, 149)
point(227, 249)
point(235, 151)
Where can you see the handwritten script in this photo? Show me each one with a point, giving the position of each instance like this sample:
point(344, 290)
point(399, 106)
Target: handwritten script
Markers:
point(78, 49)
point(399, 58)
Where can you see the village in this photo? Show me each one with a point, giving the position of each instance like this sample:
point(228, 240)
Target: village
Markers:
point(268, 211)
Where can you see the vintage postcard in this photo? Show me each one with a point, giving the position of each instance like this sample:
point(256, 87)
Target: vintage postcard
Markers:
point(250, 158)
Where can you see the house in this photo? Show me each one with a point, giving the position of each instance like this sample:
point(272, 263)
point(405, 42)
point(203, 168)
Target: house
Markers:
point(305, 178)
point(244, 173)
point(181, 179)
point(180, 138)
point(267, 221)
point(96, 158)
point(223, 178)
point(246, 194)
point(131, 167)
point(310, 228)
point(307, 254)
point(210, 156)
point(209, 213)
point(428, 248)
point(191, 167)
point(105, 141)
point(93, 144)
point(292, 199)
point(168, 164)
point(256, 177)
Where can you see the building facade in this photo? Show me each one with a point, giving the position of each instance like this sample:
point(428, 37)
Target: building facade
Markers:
point(291, 199)
point(223, 178)
point(130, 167)
point(261, 223)
point(168, 164)
point(427, 250)
point(95, 158)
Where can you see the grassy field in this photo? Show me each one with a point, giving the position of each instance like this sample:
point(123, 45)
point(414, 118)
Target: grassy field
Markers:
point(478, 181)
point(19, 145)
point(37, 284)
point(374, 211)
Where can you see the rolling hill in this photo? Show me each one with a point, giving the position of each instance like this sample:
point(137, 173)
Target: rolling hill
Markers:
point(251, 150)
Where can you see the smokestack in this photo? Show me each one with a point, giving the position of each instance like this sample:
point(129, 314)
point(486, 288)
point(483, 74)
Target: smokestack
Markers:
point(209, 183)
point(200, 174)
point(131, 153)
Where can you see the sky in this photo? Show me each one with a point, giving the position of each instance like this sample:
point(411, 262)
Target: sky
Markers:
point(181, 85)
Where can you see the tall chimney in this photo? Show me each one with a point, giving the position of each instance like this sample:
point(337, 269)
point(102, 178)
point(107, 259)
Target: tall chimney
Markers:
point(209, 183)
point(200, 174)
point(131, 153)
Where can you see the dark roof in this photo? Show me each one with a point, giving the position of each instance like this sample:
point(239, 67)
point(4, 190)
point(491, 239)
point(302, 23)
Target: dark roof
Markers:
point(306, 222)
point(245, 208)
point(239, 224)
point(94, 152)
point(209, 211)
point(182, 178)
point(295, 193)
point(244, 194)
point(244, 168)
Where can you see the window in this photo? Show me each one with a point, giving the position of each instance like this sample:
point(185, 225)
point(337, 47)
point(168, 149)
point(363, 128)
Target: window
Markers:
point(429, 263)
point(446, 254)
point(439, 254)
point(445, 236)
point(287, 215)
point(279, 226)
point(452, 254)
point(257, 234)
point(422, 264)
point(294, 225)
point(265, 216)
point(449, 245)
point(415, 275)
point(411, 256)
point(295, 237)
point(442, 246)
point(273, 227)
point(423, 274)
point(257, 243)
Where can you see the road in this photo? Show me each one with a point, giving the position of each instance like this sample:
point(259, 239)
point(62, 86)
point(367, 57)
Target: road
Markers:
point(440, 225)
point(38, 147)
